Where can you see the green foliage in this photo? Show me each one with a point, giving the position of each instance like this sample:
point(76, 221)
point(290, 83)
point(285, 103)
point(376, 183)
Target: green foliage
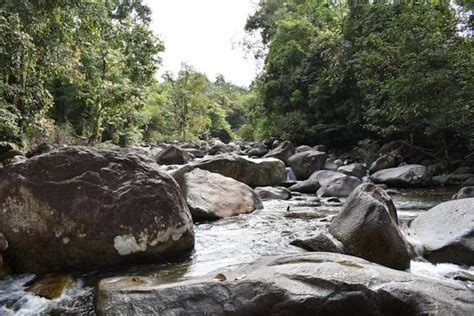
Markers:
point(85, 63)
point(189, 106)
point(346, 72)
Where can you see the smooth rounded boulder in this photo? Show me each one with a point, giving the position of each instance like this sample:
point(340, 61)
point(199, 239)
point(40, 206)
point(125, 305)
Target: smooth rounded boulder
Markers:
point(273, 193)
point(383, 162)
point(306, 163)
point(354, 169)
point(212, 196)
point(253, 172)
point(304, 284)
point(283, 151)
point(403, 176)
point(82, 207)
point(368, 227)
point(172, 155)
point(446, 232)
point(339, 187)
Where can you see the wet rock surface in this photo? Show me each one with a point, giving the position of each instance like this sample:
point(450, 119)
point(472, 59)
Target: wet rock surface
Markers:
point(403, 176)
point(368, 227)
point(446, 232)
point(316, 283)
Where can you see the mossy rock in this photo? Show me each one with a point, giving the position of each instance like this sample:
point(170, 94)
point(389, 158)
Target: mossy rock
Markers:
point(51, 286)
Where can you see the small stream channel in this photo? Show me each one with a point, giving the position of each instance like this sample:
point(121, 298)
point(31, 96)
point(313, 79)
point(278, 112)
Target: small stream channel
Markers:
point(227, 243)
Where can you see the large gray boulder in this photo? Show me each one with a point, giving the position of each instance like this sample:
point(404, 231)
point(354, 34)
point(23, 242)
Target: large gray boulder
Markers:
point(283, 151)
point(340, 187)
point(354, 169)
point(257, 150)
point(305, 163)
point(306, 186)
point(446, 232)
point(325, 177)
point(403, 176)
point(253, 172)
point(368, 227)
point(305, 284)
point(212, 196)
point(172, 155)
point(82, 207)
point(384, 162)
point(273, 193)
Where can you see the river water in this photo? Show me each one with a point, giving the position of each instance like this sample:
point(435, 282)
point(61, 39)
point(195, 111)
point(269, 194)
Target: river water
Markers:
point(227, 243)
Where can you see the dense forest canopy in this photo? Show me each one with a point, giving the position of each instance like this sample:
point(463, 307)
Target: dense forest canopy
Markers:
point(340, 73)
point(334, 72)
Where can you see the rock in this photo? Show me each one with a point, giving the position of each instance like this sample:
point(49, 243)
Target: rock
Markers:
point(172, 155)
point(464, 170)
point(404, 176)
point(283, 151)
point(190, 145)
point(85, 207)
point(340, 187)
point(197, 153)
point(218, 147)
point(223, 136)
point(368, 227)
point(302, 148)
point(464, 193)
point(306, 163)
point(259, 150)
point(52, 286)
point(10, 154)
point(325, 177)
point(273, 193)
point(321, 242)
point(14, 160)
point(306, 186)
point(330, 165)
point(322, 148)
point(446, 232)
point(383, 162)
point(211, 196)
point(469, 182)
point(6, 146)
point(305, 284)
point(357, 170)
point(452, 179)
point(253, 172)
point(339, 162)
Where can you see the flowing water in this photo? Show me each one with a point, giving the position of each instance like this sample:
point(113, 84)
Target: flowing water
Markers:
point(227, 243)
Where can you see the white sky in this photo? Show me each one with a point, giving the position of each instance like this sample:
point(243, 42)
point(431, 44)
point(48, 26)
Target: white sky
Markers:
point(204, 34)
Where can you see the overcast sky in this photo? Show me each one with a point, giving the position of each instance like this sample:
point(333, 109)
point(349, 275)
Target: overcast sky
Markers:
point(204, 34)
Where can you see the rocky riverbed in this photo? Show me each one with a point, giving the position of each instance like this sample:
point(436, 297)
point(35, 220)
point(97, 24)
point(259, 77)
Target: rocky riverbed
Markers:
point(226, 244)
point(85, 229)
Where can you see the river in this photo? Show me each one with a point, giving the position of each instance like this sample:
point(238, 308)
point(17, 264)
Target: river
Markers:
point(227, 243)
